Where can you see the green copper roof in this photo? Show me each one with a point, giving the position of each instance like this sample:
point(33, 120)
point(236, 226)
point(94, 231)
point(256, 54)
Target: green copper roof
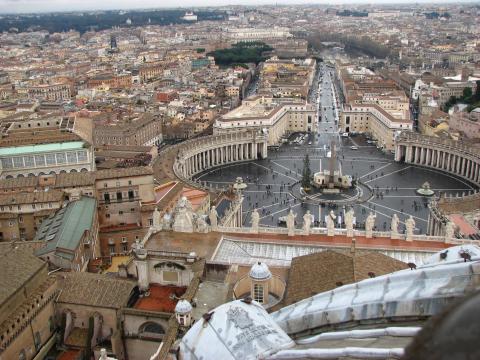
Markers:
point(27, 149)
point(65, 228)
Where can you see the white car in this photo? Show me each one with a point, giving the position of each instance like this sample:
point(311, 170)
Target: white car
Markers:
point(353, 147)
point(345, 135)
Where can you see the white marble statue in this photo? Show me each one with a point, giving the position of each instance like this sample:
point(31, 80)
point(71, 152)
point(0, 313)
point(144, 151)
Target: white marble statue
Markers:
point(394, 225)
point(156, 218)
point(183, 218)
point(255, 220)
point(166, 223)
point(307, 222)
point(370, 221)
point(349, 219)
point(291, 223)
point(410, 227)
point(213, 216)
point(331, 223)
point(449, 230)
point(201, 224)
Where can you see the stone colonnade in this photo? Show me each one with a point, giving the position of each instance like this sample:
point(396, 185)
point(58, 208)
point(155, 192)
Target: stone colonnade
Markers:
point(444, 155)
point(204, 153)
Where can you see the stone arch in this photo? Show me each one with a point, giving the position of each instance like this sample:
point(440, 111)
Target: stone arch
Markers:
point(20, 176)
point(84, 170)
point(73, 171)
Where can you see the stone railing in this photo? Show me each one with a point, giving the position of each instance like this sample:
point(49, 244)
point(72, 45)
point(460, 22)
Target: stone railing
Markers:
point(337, 232)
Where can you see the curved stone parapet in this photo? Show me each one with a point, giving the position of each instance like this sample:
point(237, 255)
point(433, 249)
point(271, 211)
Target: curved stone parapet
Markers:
point(442, 154)
point(197, 155)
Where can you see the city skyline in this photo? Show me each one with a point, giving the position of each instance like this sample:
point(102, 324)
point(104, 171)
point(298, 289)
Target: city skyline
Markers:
point(48, 6)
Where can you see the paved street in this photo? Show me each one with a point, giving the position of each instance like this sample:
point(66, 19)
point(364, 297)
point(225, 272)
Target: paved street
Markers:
point(394, 183)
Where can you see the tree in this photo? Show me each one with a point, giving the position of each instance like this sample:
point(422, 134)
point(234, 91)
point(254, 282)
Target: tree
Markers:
point(476, 97)
point(306, 173)
point(467, 93)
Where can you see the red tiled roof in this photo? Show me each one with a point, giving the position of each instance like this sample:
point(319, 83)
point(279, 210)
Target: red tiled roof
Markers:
point(464, 226)
point(69, 355)
point(159, 298)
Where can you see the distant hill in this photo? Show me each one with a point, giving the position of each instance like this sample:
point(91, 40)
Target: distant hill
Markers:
point(100, 20)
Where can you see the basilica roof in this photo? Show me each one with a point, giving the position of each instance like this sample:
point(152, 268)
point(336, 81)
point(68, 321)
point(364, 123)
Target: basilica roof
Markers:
point(415, 293)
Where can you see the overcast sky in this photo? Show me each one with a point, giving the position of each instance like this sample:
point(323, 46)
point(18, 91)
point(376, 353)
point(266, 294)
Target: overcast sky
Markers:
point(19, 6)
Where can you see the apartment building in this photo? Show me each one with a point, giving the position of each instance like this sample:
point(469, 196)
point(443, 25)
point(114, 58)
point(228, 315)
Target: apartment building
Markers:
point(275, 116)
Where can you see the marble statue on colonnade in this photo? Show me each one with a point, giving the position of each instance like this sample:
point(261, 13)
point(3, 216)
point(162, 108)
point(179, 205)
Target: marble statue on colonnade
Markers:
point(156, 221)
point(394, 226)
point(213, 216)
point(331, 223)
point(349, 219)
point(200, 224)
point(370, 224)
point(410, 227)
point(183, 218)
point(307, 222)
point(291, 223)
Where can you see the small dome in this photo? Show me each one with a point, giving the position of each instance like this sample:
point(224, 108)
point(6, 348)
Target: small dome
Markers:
point(260, 271)
point(183, 307)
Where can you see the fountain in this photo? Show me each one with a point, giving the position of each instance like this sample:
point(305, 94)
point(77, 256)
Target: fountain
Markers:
point(425, 190)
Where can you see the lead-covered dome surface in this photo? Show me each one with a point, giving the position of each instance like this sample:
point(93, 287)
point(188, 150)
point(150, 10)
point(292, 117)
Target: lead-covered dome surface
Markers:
point(183, 307)
point(234, 331)
point(260, 271)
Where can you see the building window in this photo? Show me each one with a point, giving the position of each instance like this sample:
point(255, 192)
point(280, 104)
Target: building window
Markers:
point(124, 247)
point(61, 158)
point(170, 276)
point(131, 194)
point(72, 157)
point(40, 160)
point(106, 198)
point(82, 156)
point(38, 341)
point(7, 163)
point(50, 159)
point(258, 293)
point(119, 196)
point(20, 219)
point(22, 355)
point(28, 160)
point(18, 162)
